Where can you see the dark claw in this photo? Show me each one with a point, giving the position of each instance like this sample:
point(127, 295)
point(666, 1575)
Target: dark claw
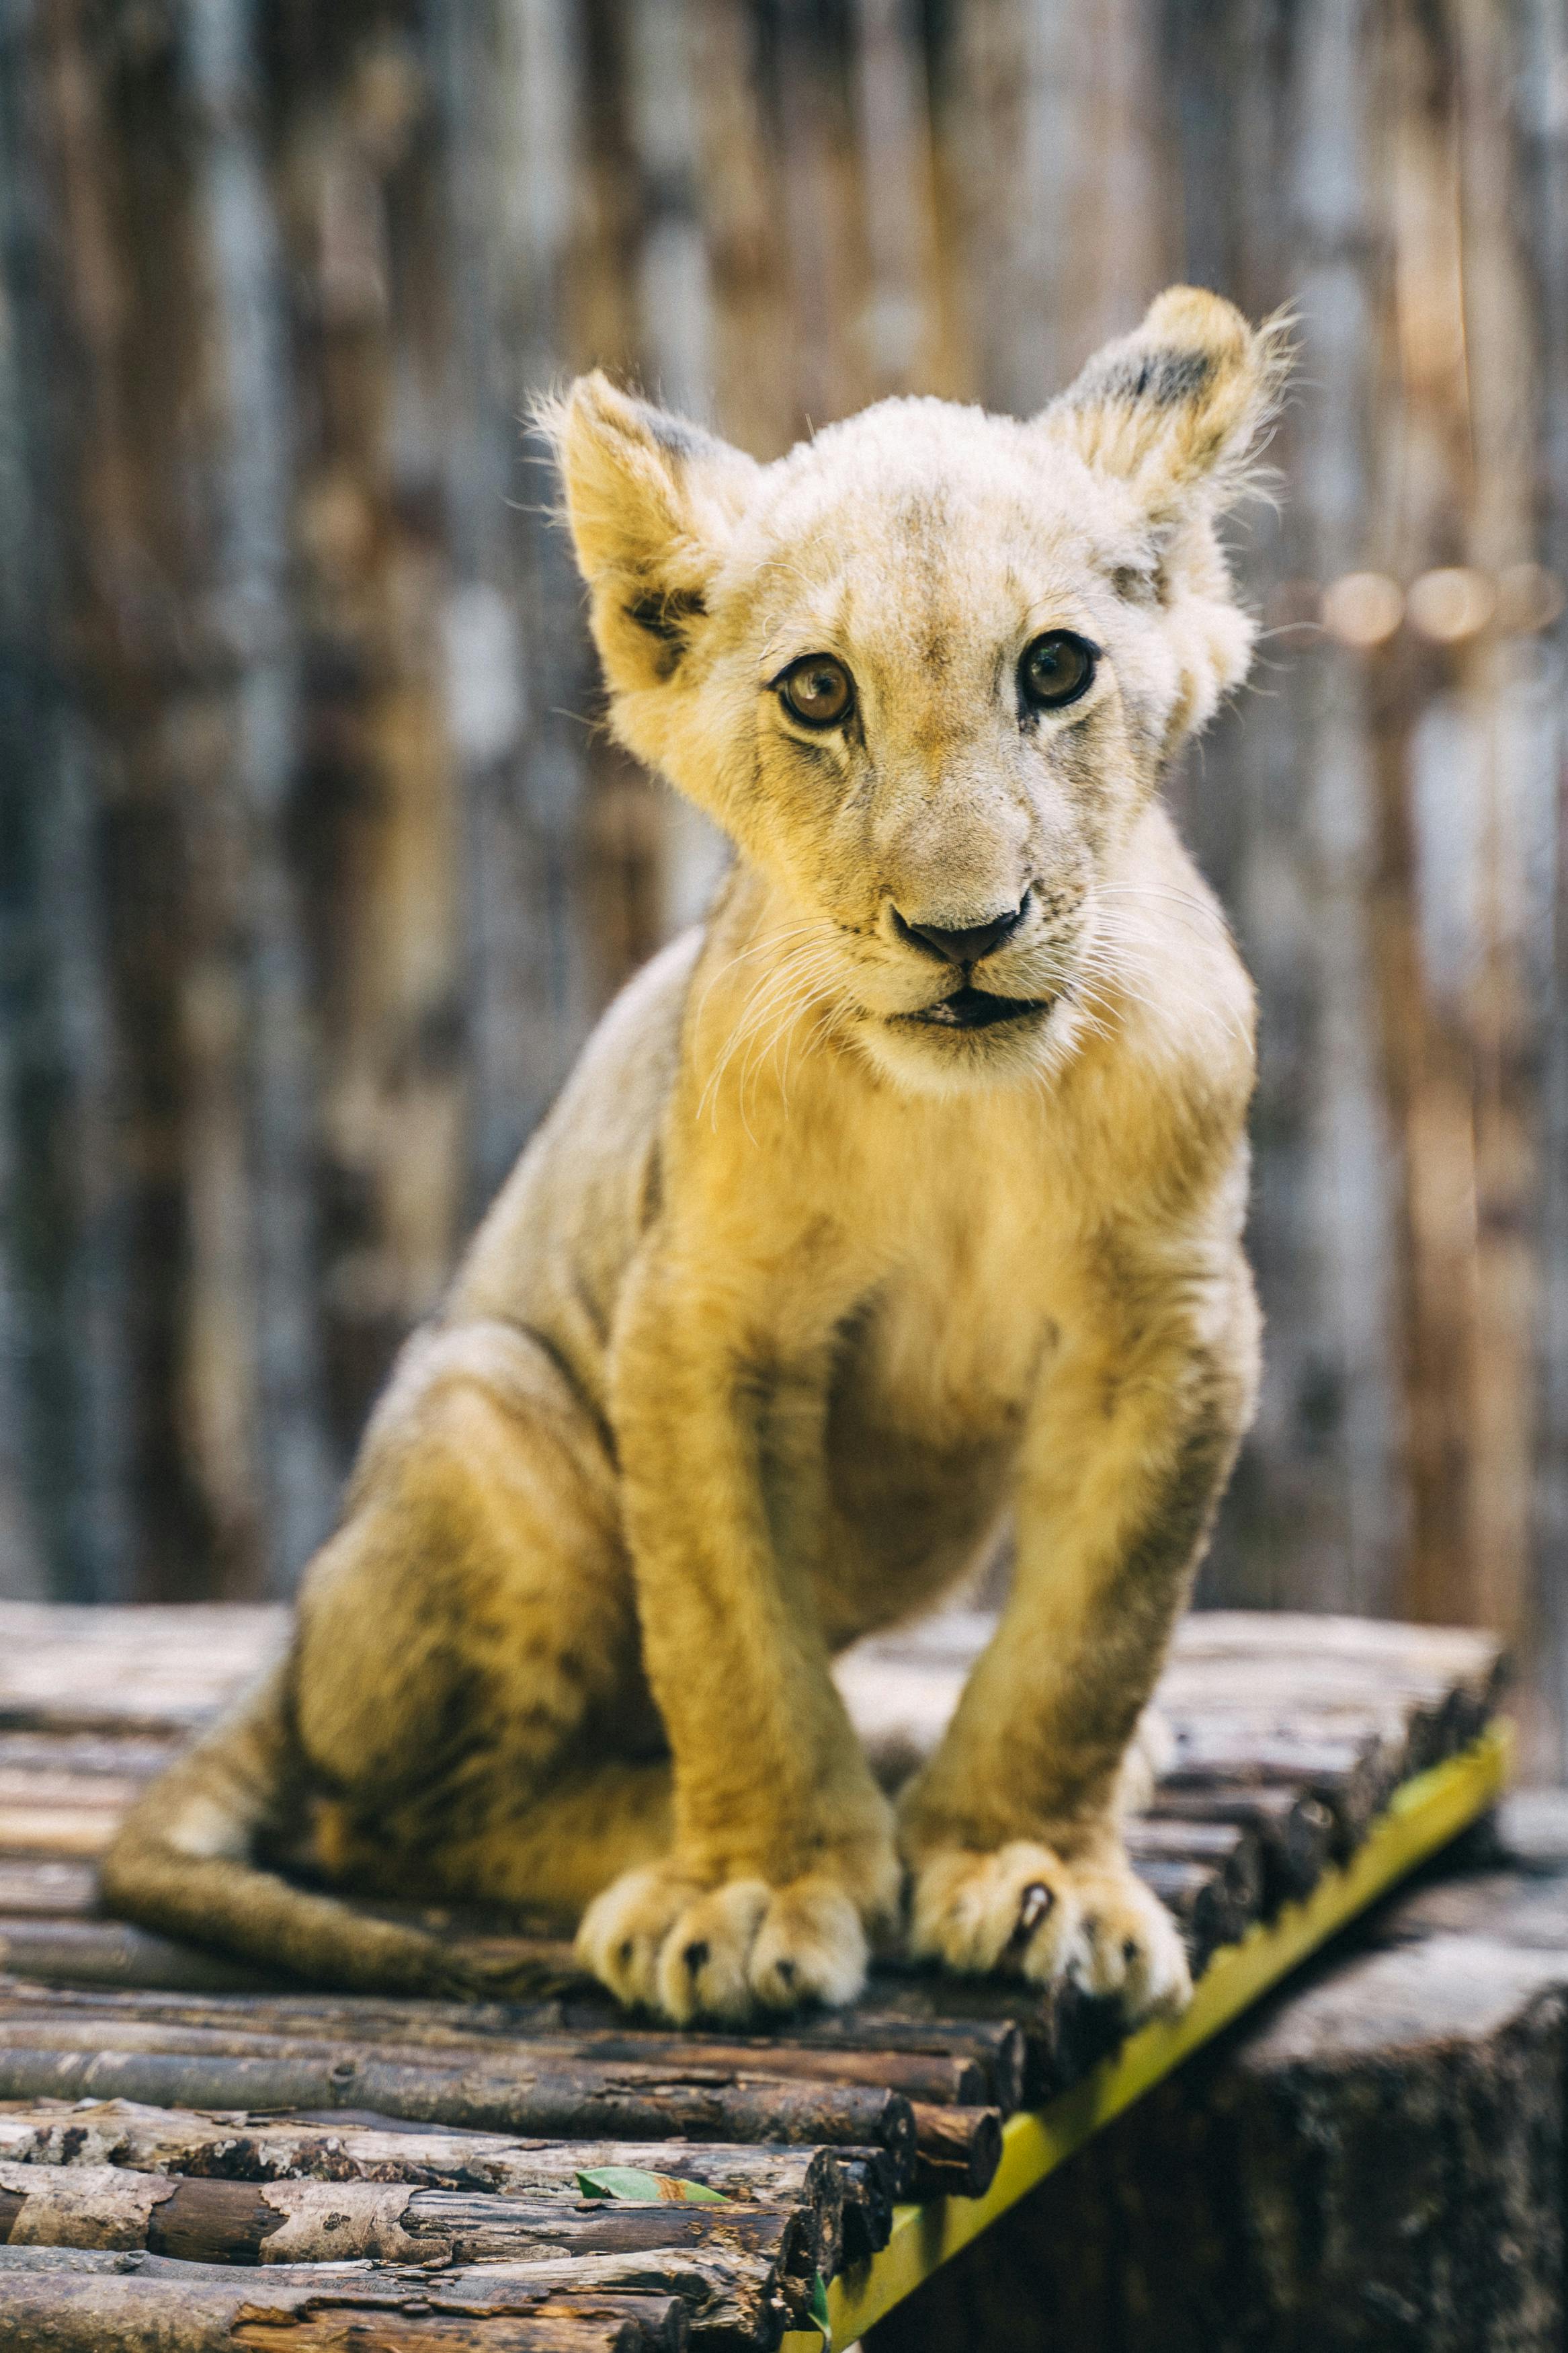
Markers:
point(1130, 1950)
point(695, 1956)
point(1037, 1901)
point(626, 1951)
point(787, 1972)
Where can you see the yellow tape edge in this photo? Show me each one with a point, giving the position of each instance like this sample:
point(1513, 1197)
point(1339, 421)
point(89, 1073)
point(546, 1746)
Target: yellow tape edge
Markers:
point(1423, 1815)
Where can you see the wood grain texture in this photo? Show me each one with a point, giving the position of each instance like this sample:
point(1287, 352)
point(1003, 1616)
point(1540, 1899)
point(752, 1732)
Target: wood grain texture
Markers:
point(81, 2300)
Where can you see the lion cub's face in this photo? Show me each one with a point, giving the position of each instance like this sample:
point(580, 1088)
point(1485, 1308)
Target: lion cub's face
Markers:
point(926, 669)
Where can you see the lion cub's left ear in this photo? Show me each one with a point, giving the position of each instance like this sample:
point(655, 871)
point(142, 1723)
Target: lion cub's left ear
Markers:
point(1178, 408)
point(652, 502)
point(1175, 414)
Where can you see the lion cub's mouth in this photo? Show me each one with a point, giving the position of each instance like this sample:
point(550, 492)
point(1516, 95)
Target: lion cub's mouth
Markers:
point(976, 1008)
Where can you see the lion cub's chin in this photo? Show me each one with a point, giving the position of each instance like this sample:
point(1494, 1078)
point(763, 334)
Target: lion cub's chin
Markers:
point(938, 1058)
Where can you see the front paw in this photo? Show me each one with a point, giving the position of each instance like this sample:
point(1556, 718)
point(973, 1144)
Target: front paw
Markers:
point(1024, 1910)
point(660, 1940)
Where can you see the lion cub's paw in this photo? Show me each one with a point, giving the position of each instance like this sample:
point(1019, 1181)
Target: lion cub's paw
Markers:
point(660, 1940)
point(1128, 1945)
point(1024, 1910)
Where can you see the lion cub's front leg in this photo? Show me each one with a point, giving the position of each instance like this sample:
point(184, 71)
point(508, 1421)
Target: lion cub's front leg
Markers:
point(784, 1854)
point(1011, 1830)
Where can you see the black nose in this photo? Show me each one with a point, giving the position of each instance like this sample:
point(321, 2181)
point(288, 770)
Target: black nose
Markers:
point(968, 945)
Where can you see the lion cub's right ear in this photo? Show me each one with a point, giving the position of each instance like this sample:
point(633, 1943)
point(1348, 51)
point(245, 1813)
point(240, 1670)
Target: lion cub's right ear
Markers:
point(652, 502)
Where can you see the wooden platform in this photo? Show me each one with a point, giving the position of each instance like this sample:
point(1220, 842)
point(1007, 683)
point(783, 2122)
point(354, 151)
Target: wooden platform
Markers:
point(440, 2176)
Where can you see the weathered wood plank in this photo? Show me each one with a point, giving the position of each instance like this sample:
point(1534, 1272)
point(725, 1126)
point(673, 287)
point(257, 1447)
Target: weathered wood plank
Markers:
point(232, 2221)
point(86, 1952)
point(78, 2300)
point(985, 2058)
point(1293, 1831)
point(84, 1831)
point(770, 2253)
point(124, 1756)
point(822, 2191)
point(959, 2151)
point(232, 2144)
point(448, 2031)
point(48, 1888)
point(66, 2062)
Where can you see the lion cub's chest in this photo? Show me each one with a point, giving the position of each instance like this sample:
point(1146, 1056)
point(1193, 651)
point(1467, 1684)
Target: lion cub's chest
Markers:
point(950, 1345)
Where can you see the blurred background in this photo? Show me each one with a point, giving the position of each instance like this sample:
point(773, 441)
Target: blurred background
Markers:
point(313, 871)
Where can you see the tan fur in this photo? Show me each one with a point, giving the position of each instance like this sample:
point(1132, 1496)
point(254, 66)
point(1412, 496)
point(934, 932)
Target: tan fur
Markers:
point(793, 1299)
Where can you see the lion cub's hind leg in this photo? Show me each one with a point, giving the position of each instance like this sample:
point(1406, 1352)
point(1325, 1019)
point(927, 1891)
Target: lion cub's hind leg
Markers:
point(469, 1701)
point(548, 1851)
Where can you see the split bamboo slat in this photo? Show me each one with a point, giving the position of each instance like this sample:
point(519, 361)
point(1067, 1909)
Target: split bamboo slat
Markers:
point(195, 2153)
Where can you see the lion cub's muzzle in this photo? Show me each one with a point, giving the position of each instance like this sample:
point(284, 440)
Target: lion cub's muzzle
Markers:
point(963, 946)
point(979, 1008)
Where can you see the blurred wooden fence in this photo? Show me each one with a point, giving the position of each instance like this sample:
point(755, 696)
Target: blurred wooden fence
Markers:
point(313, 872)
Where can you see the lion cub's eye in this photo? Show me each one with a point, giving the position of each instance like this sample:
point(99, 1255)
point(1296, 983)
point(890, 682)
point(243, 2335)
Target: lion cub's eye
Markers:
point(817, 689)
point(1055, 668)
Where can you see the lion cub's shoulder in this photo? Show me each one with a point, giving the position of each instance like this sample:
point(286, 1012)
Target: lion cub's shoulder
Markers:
point(580, 1197)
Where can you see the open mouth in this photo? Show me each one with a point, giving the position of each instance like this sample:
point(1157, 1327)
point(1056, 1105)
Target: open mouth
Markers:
point(977, 1009)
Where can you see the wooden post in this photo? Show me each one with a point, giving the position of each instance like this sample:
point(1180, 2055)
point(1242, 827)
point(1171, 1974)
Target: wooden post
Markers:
point(1544, 137)
point(510, 71)
point(250, 589)
point(362, 145)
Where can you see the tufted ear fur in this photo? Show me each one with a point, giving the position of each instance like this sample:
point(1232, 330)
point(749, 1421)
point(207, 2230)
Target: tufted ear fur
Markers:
point(1177, 413)
point(1178, 408)
point(652, 502)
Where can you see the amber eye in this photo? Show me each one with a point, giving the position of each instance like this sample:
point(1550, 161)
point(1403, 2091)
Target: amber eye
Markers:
point(817, 689)
point(1056, 670)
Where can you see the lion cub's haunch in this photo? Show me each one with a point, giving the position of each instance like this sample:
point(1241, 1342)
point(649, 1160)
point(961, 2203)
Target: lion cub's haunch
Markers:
point(905, 1197)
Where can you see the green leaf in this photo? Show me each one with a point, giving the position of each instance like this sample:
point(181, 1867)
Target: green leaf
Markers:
point(630, 2181)
point(819, 2319)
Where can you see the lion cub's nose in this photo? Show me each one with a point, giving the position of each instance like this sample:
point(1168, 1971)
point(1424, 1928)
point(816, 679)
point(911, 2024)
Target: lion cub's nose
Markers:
point(967, 944)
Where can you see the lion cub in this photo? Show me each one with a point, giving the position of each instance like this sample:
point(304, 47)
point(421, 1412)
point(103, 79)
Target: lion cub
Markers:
point(904, 1198)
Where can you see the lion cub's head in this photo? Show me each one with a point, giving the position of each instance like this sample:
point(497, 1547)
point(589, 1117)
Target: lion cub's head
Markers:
point(925, 669)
